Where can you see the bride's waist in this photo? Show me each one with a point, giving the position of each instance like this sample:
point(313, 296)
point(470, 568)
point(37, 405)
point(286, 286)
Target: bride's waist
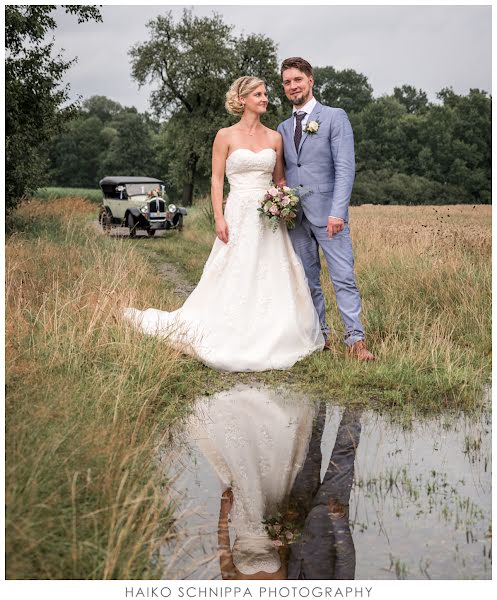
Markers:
point(240, 188)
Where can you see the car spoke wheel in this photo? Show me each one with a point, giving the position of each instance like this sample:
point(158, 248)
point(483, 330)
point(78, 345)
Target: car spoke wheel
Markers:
point(105, 221)
point(132, 226)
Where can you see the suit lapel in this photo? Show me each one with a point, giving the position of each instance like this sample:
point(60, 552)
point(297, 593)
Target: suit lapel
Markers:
point(288, 129)
point(312, 117)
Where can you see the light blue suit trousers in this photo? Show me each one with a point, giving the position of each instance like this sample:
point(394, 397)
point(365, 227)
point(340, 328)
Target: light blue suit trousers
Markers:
point(324, 168)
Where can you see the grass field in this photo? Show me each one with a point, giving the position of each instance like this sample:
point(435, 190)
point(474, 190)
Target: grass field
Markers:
point(89, 402)
point(425, 278)
point(53, 193)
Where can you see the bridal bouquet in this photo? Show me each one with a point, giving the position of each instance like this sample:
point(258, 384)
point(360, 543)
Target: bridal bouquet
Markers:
point(280, 204)
point(280, 530)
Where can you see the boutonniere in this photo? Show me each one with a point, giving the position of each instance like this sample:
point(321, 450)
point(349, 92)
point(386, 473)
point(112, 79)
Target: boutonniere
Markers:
point(312, 127)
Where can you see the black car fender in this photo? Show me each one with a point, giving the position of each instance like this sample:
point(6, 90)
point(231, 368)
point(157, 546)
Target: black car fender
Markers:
point(134, 211)
point(140, 219)
point(182, 211)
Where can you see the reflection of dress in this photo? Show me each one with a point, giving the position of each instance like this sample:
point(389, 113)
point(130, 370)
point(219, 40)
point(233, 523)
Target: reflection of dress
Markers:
point(256, 441)
point(252, 309)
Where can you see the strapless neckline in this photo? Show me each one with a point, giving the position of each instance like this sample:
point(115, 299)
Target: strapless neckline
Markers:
point(249, 150)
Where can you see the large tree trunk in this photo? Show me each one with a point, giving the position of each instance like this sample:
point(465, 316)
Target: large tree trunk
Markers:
point(187, 194)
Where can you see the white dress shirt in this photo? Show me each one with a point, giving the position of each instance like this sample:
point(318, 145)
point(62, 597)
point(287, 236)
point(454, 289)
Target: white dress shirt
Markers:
point(307, 108)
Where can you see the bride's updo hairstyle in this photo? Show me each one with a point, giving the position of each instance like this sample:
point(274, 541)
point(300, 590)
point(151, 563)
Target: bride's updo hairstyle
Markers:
point(240, 88)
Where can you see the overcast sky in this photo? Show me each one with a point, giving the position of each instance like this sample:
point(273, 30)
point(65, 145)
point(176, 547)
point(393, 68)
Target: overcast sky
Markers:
point(430, 47)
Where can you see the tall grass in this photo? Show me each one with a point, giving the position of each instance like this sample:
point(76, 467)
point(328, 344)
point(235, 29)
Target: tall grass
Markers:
point(424, 274)
point(88, 402)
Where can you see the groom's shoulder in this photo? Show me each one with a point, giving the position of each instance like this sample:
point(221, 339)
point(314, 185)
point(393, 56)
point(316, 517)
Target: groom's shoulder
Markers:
point(283, 123)
point(332, 111)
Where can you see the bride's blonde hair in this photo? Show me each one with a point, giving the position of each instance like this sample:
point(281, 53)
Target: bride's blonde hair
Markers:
point(240, 88)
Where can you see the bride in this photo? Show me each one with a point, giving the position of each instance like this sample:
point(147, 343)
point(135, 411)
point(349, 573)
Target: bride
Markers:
point(252, 309)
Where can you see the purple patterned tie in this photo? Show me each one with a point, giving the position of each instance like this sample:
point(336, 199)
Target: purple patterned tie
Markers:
point(298, 128)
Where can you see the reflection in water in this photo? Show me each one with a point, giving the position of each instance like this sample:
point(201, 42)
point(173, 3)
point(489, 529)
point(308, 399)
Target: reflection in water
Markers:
point(266, 479)
point(265, 449)
point(324, 549)
point(256, 443)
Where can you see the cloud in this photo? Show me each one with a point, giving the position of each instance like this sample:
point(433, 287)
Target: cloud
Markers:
point(430, 47)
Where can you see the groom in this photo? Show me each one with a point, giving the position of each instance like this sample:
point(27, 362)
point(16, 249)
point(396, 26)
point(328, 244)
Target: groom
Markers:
point(319, 156)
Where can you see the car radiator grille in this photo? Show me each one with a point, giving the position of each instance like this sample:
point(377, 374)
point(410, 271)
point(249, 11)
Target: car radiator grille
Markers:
point(157, 206)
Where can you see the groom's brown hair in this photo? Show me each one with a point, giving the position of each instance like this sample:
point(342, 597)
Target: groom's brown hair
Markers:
point(296, 62)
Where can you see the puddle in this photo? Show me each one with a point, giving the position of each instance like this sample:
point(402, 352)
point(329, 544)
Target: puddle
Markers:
point(323, 492)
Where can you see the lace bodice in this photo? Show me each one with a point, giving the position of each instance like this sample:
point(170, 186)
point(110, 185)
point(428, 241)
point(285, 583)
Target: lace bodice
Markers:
point(246, 169)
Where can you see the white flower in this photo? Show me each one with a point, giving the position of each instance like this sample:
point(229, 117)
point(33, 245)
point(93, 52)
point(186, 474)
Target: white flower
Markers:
point(312, 127)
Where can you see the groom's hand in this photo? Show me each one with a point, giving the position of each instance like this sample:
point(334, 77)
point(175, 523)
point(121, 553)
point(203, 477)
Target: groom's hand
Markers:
point(335, 225)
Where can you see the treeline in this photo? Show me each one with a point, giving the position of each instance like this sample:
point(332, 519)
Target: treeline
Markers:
point(408, 150)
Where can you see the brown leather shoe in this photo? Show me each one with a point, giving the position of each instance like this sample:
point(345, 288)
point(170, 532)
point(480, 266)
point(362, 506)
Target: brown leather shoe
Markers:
point(327, 344)
point(360, 351)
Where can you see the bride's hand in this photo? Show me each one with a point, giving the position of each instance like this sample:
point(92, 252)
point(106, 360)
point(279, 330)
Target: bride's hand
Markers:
point(222, 230)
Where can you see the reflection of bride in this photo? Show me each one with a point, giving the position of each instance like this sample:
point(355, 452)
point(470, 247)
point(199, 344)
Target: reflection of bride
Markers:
point(256, 441)
point(252, 309)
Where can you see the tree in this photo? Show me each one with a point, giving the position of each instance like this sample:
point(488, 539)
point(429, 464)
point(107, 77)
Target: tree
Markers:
point(33, 94)
point(193, 62)
point(76, 153)
point(104, 138)
point(415, 101)
point(345, 89)
point(379, 137)
point(134, 147)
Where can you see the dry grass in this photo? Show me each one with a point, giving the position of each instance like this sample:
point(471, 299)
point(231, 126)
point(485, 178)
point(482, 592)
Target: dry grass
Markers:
point(424, 273)
point(89, 402)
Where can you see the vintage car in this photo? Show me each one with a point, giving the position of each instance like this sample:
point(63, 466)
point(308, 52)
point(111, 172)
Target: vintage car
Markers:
point(138, 203)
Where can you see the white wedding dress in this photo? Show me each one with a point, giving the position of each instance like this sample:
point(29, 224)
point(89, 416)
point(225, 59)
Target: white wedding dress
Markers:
point(252, 309)
point(256, 440)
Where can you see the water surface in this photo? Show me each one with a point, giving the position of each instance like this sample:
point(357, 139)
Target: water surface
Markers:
point(390, 502)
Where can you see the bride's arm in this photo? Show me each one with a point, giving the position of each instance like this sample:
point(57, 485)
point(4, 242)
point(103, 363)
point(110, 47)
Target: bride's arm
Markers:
point(223, 537)
point(279, 167)
point(219, 154)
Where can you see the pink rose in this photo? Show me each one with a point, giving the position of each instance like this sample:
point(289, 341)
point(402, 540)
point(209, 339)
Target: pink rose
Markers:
point(273, 192)
point(274, 210)
point(285, 201)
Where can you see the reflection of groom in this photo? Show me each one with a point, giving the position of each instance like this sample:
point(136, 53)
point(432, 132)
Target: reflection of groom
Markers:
point(319, 156)
point(324, 548)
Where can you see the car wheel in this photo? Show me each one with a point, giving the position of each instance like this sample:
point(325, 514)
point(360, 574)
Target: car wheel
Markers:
point(132, 225)
point(105, 221)
point(151, 232)
point(179, 226)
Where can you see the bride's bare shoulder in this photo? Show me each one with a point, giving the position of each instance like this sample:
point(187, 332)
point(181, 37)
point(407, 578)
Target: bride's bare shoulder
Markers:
point(274, 138)
point(226, 134)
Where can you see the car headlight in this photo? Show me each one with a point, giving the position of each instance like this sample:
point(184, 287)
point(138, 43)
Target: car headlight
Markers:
point(144, 209)
point(172, 208)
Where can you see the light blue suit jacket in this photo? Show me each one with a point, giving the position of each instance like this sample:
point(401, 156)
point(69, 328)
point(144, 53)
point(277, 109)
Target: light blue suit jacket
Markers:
point(324, 165)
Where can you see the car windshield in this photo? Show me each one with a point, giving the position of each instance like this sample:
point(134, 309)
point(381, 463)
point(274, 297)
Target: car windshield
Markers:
point(140, 189)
